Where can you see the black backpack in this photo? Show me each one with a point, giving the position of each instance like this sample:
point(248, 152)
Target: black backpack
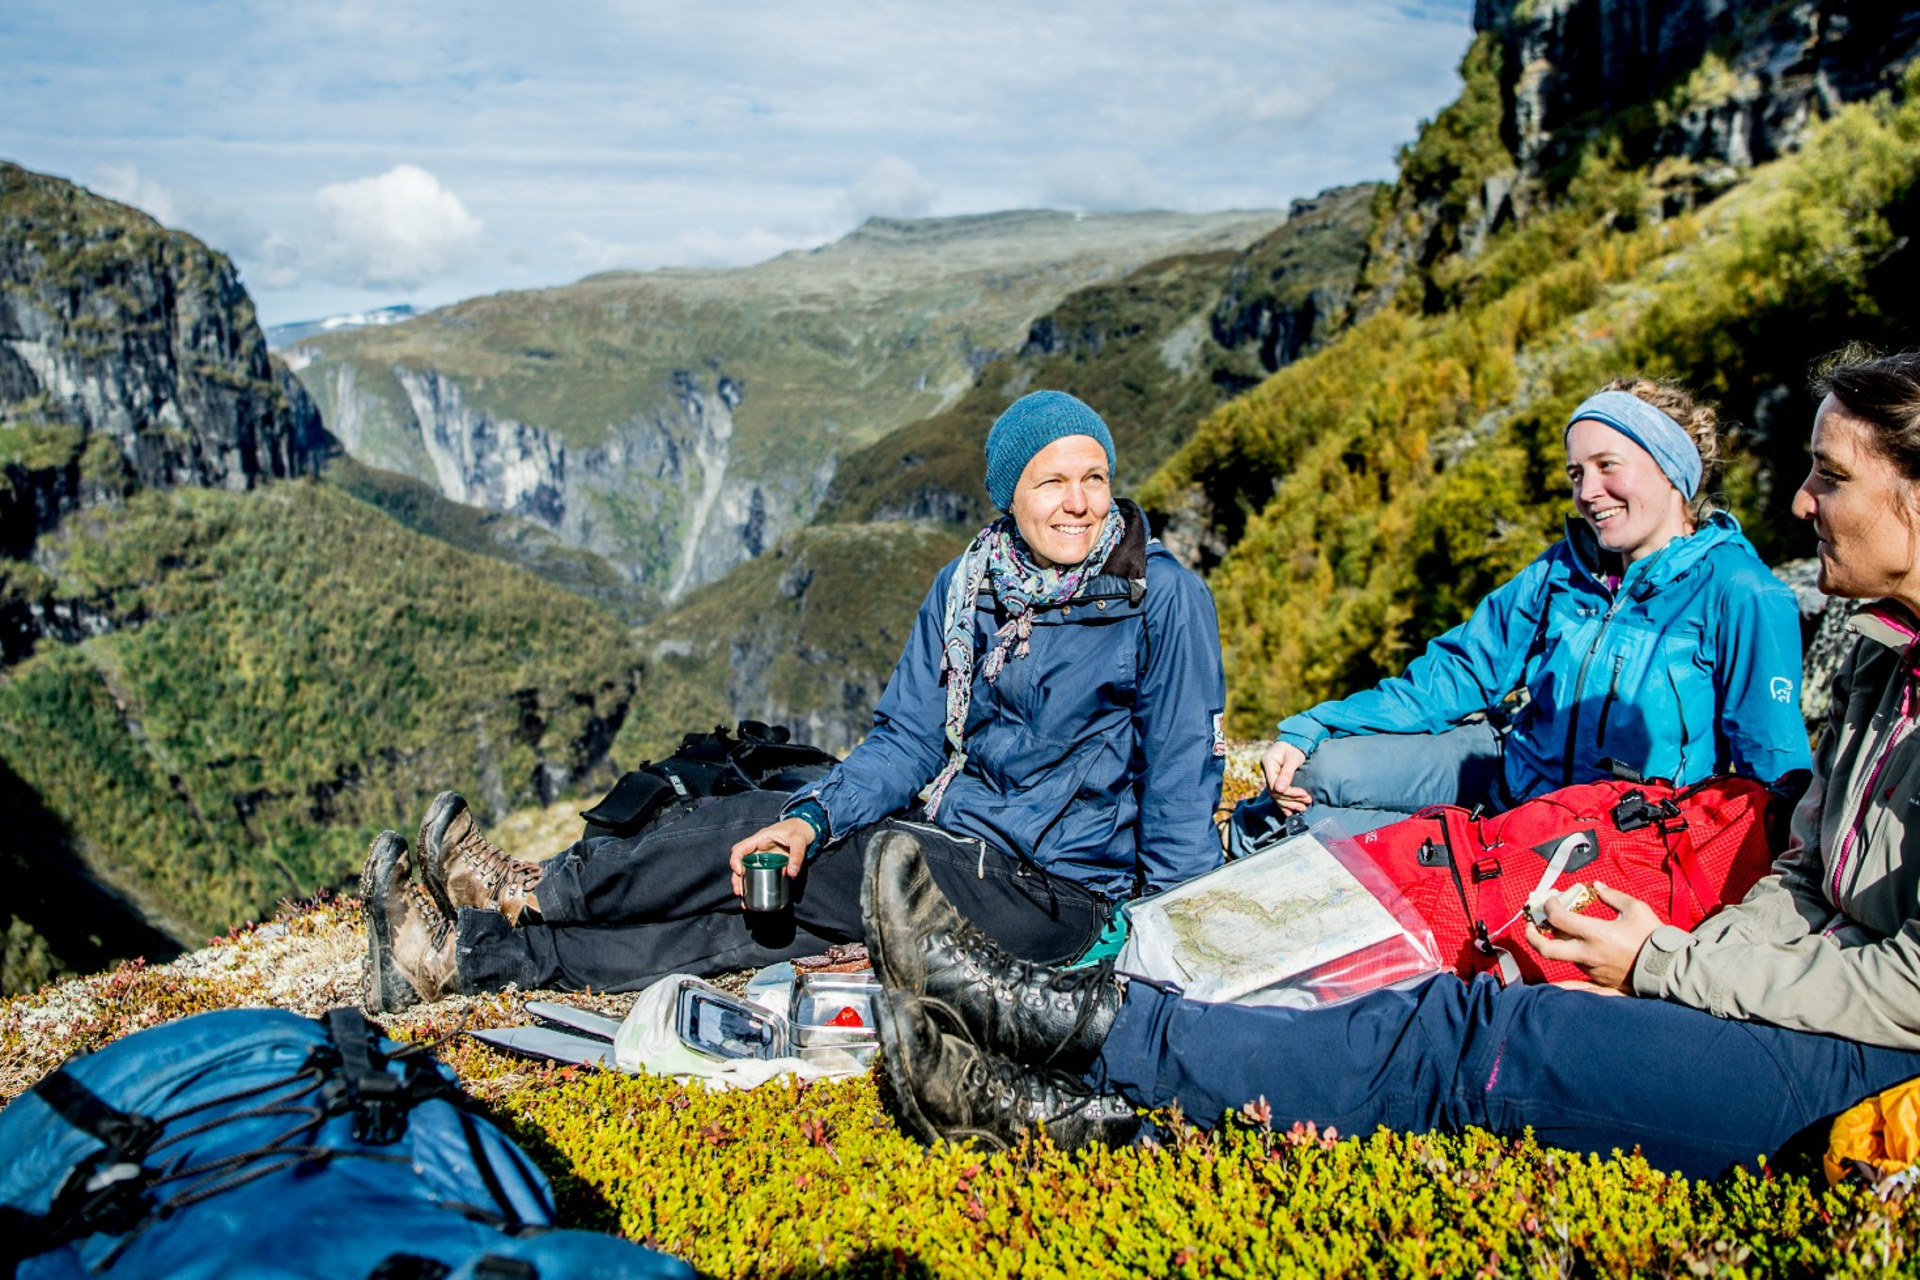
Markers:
point(762, 758)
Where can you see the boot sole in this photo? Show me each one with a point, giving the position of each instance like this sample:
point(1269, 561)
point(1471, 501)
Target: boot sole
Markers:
point(433, 831)
point(869, 877)
point(386, 989)
point(906, 1107)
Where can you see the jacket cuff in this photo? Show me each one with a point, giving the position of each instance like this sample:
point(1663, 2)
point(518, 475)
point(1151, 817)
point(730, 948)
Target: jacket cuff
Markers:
point(1656, 959)
point(809, 810)
point(1301, 731)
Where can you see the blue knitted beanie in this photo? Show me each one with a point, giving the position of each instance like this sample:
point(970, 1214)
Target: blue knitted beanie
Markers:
point(1029, 425)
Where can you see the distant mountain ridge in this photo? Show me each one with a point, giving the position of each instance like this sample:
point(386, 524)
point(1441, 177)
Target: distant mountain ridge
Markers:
point(678, 422)
point(281, 336)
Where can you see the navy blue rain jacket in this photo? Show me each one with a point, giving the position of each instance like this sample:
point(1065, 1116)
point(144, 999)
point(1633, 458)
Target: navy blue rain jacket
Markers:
point(1097, 757)
point(1691, 667)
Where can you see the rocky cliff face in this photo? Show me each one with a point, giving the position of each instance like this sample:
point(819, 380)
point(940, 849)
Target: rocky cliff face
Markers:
point(1692, 93)
point(1751, 74)
point(116, 331)
point(658, 496)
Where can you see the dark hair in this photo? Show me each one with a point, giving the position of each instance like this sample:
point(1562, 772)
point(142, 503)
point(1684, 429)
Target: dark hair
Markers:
point(1881, 391)
point(1700, 419)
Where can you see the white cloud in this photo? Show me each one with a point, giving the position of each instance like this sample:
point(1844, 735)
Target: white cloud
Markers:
point(729, 131)
point(125, 183)
point(890, 188)
point(394, 231)
point(1102, 182)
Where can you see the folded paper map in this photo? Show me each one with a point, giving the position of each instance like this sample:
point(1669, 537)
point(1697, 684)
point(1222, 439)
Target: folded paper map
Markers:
point(1254, 922)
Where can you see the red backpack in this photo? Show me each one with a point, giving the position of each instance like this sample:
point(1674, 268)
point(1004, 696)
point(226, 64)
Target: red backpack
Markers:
point(1685, 851)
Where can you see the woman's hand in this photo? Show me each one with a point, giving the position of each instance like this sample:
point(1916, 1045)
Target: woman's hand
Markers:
point(791, 836)
point(1604, 949)
point(1279, 764)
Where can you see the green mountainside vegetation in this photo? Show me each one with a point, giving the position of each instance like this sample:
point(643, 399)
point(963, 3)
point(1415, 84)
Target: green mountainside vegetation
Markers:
point(495, 535)
point(1373, 491)
point(278, 675)
point(805, 636)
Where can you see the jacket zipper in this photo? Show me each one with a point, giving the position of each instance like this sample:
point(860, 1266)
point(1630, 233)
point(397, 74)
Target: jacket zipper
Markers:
point(1613, 691)
point(1580, 683)
point(1859, 824)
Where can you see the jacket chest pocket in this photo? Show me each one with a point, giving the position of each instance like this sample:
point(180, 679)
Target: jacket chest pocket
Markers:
point(1654, 700)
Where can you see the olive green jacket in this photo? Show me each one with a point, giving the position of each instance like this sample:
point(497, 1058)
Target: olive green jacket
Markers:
point(1830, 940)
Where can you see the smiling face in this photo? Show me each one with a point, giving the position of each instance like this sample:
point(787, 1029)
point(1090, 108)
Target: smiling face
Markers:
point(1062, 500)
point(1621, 492)
point(1865, 513)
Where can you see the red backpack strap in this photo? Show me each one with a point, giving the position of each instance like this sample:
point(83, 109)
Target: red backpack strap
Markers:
point(1634, 812)
point(1460, 844)
point(1679, 838)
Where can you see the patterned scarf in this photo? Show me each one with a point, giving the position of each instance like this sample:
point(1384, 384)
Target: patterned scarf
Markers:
point(999, 559)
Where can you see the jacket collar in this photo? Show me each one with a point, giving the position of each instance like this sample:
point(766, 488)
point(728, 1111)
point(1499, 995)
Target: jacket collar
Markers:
point(1666, 565)
point(1126, 568)
point(1885, 622)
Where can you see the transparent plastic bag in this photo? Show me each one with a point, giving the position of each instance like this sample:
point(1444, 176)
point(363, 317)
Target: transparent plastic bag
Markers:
point(1302, 918)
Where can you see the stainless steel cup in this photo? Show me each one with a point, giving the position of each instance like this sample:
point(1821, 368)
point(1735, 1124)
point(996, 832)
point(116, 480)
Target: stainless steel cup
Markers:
point(764, 881)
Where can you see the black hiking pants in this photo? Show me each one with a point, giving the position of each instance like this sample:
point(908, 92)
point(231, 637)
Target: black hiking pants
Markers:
point(619, 912)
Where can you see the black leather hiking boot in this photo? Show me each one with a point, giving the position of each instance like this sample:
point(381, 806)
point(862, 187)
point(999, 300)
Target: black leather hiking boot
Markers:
point(462, 868)
point(945, 1087)
point(410, 942)
point(921, 945)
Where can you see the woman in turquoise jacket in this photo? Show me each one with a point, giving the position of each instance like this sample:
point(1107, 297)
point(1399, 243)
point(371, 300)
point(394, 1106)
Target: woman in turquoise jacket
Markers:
point(1651, 640)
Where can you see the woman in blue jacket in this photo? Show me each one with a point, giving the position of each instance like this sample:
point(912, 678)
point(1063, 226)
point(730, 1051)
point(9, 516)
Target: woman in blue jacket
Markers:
point(1650, 639)
point(1058, 706)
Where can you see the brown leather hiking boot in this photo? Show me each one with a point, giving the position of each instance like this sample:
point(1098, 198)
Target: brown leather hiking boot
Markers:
point(410, 941)
point(462, 868)
point(920, 944)
point(945, 1087)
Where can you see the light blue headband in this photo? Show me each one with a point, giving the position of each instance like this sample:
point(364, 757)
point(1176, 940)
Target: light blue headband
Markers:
point(1652, 430)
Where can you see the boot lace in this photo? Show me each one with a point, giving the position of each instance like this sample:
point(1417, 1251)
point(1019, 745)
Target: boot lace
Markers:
point(502, 875)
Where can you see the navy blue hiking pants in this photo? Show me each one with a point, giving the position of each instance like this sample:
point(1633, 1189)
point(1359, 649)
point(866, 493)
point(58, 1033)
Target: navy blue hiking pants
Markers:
point(1587, 1072)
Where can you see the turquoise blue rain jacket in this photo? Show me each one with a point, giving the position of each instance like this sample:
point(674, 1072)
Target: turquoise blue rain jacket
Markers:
point(1690, 667)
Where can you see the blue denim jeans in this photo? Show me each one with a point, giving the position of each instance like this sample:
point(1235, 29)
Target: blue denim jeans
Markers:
point(1588, 1073)
point(1368, 781)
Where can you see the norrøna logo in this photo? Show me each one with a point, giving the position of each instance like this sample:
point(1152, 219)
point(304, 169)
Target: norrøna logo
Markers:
point(1782, 689)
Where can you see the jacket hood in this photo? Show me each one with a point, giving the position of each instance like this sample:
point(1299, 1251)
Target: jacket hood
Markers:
point(1671, 562)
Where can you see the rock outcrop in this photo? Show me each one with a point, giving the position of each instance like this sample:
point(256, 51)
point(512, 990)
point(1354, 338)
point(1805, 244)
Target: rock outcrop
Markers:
point(1741, 80)
point(658, 497)
point(115, 330)
point(1693, 93)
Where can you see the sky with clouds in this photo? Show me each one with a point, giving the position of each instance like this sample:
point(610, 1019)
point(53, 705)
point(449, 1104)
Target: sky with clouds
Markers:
point(354, 154)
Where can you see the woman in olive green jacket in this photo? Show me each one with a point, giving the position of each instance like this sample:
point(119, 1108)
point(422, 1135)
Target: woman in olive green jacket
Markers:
point(1830, 941)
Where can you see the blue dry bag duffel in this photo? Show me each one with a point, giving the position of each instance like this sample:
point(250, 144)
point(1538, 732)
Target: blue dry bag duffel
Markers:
point(259, 1143)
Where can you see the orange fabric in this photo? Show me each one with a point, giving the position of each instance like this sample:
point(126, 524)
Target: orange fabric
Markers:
point(1883, 1132)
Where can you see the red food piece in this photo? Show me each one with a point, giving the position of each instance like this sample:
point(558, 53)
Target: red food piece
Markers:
point(847, 1017)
